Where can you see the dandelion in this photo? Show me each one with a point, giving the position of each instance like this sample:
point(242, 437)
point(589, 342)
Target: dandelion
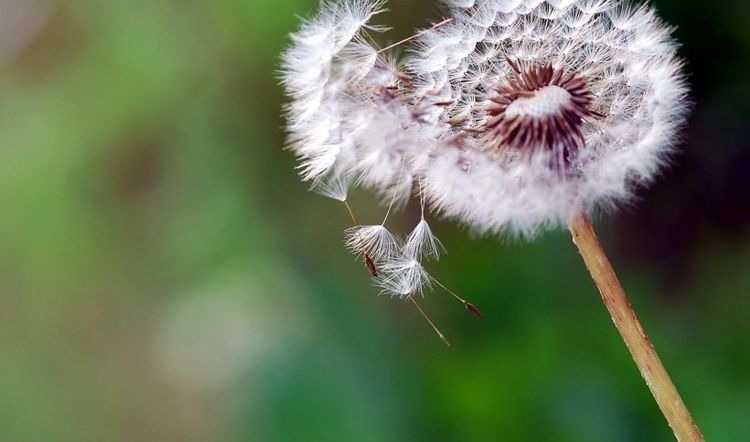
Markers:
point(509, 116)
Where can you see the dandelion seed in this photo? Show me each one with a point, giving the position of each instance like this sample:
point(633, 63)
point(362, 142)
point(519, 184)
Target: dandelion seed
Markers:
point(376, 241)
point(421, 243)
point(471, 308)
point(403, 277)
point(335, 186)
point(371, 266)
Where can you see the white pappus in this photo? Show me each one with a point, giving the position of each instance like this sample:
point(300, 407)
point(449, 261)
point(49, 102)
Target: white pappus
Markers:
point(510, 115)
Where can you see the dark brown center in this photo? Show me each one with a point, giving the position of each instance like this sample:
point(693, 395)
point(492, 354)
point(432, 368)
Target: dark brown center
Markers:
point(541, 108)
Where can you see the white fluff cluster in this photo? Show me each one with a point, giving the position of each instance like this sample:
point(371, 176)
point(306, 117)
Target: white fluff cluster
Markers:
point(629, 59)
point(326, 59)
point(357, 117)
point(345, 121)
point(399, 269)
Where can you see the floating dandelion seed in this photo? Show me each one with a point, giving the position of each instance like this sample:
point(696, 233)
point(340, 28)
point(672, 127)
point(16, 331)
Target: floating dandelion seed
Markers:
point(510, 116)
point(376, 241)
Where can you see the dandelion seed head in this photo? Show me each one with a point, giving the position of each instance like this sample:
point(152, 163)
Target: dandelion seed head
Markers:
point(562, 107)
point(510, 116)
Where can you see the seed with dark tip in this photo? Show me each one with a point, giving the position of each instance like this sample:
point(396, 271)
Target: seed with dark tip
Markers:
point(473, 309)
point(371, 266)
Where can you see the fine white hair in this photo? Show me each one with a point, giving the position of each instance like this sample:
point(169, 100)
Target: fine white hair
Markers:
point(629, 60)
point(359, 117)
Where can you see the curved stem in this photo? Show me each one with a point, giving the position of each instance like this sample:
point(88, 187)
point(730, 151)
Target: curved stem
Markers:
point(649, 364)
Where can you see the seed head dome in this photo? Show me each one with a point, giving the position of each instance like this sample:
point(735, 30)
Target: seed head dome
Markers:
point(562, 107)
point(509, 115)
point(513, 114)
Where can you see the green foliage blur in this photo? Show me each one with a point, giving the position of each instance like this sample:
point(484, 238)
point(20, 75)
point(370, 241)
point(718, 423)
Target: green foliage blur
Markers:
point(164, 275)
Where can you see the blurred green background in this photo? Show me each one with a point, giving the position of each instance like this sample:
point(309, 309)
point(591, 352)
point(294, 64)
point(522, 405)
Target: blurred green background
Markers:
point(164, 275)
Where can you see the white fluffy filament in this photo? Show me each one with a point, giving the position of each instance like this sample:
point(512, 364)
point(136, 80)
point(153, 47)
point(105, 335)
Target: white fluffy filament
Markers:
point(376, 241)
point(422, 243)
point(403, 277)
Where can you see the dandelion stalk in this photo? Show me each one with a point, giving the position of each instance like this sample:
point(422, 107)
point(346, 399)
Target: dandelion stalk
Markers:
point(638, 343)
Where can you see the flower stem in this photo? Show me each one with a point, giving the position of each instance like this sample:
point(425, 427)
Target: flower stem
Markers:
point(648, 362)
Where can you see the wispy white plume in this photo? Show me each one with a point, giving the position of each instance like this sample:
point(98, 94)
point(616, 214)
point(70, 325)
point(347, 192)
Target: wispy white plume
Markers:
point(421, 243)
point(379, 243)
point(403, 277)
point(335, 185)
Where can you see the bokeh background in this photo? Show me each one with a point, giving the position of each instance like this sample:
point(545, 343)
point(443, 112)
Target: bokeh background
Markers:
point(164, 276)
